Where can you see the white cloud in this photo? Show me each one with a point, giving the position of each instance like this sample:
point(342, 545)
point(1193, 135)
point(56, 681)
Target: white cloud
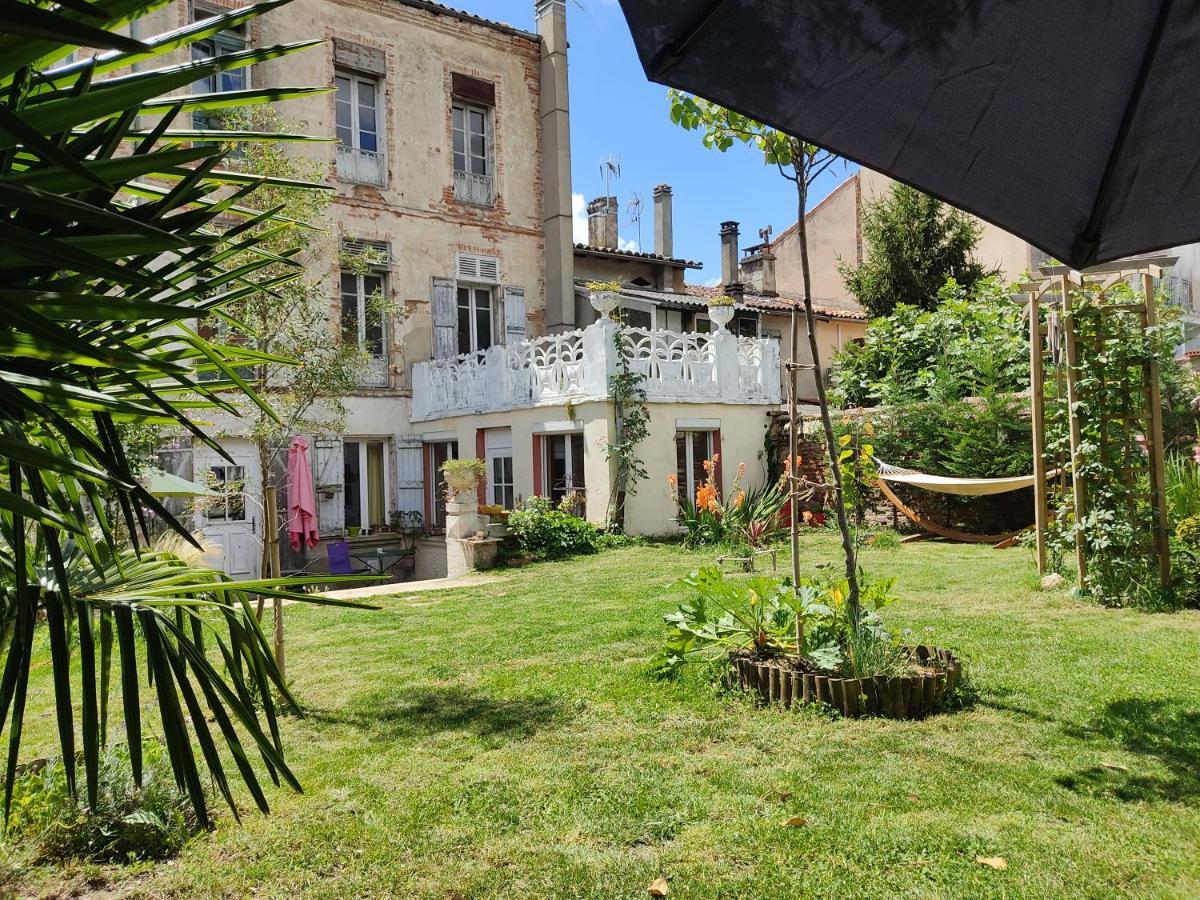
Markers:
point(631, 246)
point(579, 224)
point(712, 282)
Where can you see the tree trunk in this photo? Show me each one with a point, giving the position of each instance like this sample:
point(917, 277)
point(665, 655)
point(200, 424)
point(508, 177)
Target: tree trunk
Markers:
point(793, 476)
point(826, 422)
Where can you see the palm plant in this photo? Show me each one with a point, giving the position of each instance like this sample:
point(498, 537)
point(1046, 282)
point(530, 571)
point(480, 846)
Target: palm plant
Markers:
point(117, 234)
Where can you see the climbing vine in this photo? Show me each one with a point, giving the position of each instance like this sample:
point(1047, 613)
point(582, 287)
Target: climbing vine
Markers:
point(632, 426)
point(1115, 351)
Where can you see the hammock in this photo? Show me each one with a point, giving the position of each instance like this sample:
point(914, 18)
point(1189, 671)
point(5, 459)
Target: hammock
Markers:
point(962, 487)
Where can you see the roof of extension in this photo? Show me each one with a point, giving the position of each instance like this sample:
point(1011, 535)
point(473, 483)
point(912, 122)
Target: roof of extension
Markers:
point(610, 252)
point(463, 16)
point(826, 309)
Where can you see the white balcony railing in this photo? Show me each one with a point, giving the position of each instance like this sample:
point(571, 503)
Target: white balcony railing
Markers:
point(360, 166)
point(477, 189)
point(676, 367)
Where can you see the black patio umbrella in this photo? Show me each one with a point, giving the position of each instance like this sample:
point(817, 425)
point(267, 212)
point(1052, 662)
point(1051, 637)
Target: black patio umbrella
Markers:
point(1074, 124)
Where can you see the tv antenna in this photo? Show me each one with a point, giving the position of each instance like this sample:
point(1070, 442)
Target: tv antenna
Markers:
point(610, 168)
point(765, 235)
point(634, 208)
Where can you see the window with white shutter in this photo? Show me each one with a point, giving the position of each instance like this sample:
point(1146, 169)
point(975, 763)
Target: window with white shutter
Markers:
point(514, 315)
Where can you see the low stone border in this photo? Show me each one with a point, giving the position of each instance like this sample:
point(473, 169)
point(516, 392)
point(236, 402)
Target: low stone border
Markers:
point(906, 697)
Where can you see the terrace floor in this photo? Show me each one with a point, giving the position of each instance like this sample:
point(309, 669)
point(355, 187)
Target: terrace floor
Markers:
point(506, 740)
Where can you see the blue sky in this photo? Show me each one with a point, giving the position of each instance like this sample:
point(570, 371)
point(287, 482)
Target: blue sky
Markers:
point(616, 111)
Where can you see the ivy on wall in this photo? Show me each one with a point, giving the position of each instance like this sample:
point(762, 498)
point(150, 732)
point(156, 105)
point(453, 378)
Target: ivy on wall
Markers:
point(632, 426)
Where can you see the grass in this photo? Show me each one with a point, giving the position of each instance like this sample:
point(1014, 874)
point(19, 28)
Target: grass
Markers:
point(507, 741)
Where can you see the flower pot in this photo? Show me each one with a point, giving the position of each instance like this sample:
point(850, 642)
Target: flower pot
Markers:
point(604, 302)
point(353, 530)
point(461, 481)
point(720, 316)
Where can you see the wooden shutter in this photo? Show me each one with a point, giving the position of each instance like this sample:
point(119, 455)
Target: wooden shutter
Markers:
point(445, 319)
point(329, 473)
point(514, 315)
point(410, 475)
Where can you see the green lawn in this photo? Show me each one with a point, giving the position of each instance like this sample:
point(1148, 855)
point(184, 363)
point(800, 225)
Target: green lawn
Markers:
point(507, 741)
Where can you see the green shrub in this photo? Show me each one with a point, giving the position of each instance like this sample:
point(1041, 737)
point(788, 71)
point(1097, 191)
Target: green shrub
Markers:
point(544, 532)
point(1183, 487)
point(884, 539)
point(129, 823)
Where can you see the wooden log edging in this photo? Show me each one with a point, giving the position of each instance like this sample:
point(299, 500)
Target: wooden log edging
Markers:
point(905, 697)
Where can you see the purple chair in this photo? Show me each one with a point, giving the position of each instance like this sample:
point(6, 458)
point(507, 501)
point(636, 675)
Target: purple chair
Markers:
point(339, 559)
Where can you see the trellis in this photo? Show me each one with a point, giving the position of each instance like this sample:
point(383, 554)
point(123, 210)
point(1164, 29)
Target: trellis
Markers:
point(1091, 362)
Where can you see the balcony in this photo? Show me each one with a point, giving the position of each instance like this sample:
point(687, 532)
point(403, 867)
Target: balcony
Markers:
point(479, 190)
point(575, 366)
point(360, 166)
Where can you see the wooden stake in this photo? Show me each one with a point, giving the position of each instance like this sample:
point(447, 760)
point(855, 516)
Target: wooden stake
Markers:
point(271, 507)
point(1154, 446)
point(1077, 487)
point(1037, 395)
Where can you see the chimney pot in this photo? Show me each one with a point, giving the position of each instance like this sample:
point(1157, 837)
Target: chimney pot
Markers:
point(729, 253)
point(602, 223)
point(664, 237)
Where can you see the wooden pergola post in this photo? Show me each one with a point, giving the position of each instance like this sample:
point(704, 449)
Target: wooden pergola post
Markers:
point(1037, 382)
point(1078, 491)
point(1154, 445)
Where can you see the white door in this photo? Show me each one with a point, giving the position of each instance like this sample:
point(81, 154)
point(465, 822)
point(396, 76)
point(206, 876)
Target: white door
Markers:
point(233, 522)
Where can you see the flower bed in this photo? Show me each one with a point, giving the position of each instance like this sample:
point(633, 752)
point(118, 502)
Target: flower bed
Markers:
point(935, 675)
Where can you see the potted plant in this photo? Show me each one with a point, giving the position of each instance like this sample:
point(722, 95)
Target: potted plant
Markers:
point(463, 474)
point(605, 296)
point(720, 311)
point(395, 520)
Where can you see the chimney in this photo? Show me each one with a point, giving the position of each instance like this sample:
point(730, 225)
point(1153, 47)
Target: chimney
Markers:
point(556, 165)
point(729, 253)
point(602, 223)
point(758, 270)
point(664, 238)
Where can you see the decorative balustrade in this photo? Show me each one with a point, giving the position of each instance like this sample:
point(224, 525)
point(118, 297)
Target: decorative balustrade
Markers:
point(477, 189)
point(676, 367)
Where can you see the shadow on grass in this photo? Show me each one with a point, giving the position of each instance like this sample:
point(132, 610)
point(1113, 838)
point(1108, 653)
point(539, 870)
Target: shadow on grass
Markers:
point(1167, 731)
point(422, 712)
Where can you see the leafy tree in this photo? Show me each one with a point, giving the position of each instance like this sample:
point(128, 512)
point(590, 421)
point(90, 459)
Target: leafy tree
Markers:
point(974, 341)
point(914, 243)
point(800, 163)
point(112, 247)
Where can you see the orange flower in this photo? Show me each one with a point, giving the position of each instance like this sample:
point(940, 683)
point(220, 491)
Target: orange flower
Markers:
point(741, 469)
point(739, 500)
point(706, 497)
point(709, 466)
point(672, 481)
point(716, 458)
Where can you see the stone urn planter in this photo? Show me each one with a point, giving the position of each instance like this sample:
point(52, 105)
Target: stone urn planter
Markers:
point(605, 302)
point(462, 475)
point(935, 675)
point(721, 315)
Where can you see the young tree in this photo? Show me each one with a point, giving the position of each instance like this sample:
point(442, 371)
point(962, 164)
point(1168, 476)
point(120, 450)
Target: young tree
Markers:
point(291, 321)
point(914, 243)
point(800, 163)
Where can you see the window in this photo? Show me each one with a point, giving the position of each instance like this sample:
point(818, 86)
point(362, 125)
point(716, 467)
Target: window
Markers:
point(634, 317)
point(358, 119)
point(362, 320)
point(230, 481)
point(473, 177)
point(438, 453)
point(692, 448)
point(366, 484)
point(745, 326)
point(232, 40)
point(499, 458)
point(474, 319)
point(562, 459)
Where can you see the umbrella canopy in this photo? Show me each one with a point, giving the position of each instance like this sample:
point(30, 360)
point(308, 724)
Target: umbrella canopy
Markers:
point(302, 499)
point(164, 484)
point(1074, 124)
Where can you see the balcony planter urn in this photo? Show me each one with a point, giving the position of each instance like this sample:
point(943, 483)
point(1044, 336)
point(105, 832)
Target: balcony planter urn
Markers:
point(463, 474)
point(720, 312)
point(605, 297)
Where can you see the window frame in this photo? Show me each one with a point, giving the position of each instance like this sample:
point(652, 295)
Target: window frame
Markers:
point(686, 478)
point(486, 113)
point(221, 472)
point(569, 439)
point(223, 43)
point(498, 453)
point(364, 479)
point(473, 289)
